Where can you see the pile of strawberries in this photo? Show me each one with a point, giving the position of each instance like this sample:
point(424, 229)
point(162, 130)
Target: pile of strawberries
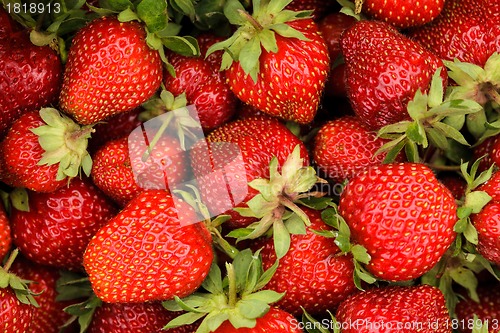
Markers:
point(226, 166)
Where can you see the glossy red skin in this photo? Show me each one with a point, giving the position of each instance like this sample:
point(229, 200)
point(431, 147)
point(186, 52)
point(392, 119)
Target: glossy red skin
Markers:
point(468, 30)
point(403, 13)
point(205, 87)
point(49, 317)
point(111, 60)
point(331, 28)
point(134, 318)
point(489, 150)
point(313, 274)
point(259, 139)
point(30, 76)
point(20, 153)
point(290, 82)
point(402, 215)
point(488, 308)
point(422, 308)
point(146, 253)
point(5, 235)
point(276, 321)
point(384, 72)
point(60, 224)
point(345, 147)
point(15, 317)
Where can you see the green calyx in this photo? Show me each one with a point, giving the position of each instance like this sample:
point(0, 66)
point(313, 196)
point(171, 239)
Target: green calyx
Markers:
point(16, 284)
point(436, 120)
point(65, 143)
point(255, 32)
point(237, 298)
point(276, 206)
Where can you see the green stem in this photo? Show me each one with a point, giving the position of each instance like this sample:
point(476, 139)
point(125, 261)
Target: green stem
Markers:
point(224, 245)
point(11, 259)
point(231, 276)
point(245, 15)
point(156, 138)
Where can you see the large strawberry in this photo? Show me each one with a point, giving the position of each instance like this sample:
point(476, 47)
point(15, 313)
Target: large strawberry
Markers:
point(395, 309)
point(276, 60)
point(43, 150)
point(57, 226)
point(384, 70)
point(147, 252)
point(110, 69)
point(313, 274)
point(30, 76)
point(402, 215)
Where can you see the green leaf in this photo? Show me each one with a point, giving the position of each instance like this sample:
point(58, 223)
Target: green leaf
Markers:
point(266, 276)
point(467, 279)
point(154, 14)
point(395, 148)
point(281, 238)
point(249, 57)
point(232, 10)
point(470, 234)
point(417, 107)
point(187, 45)
point(476, 201)
point(213, 282)
point(242, 265)
point(186, 7)
point(416, 133)
point(267, 296)
point(461, 225)
point(411, 151)
point(128, 15)
point(215, 319)
point(360, 254)
point(20, 199)
point(295, 225)
point(436, 89)
point(184, 319)
point(253, 308)
point(451, 132)
point(4, 278)
point(437, 138)
point(287, 31)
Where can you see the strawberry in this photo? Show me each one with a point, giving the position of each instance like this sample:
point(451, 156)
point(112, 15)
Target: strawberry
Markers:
point(146, 253)
point(466, 29)
point(42, 150)
point(489, 149)
point(384, 71)
point(403, 217)
point(58, 225)
point(344, 147)
point(30, 76)
point(454, 183)
point(275, 320)
point(5, 236)
point(395, 309)
point(487, 221)
point(49, 316)
point(109, 59)
point(284, 76)
point(486, 310)
point(403, 14)
point(313, 276)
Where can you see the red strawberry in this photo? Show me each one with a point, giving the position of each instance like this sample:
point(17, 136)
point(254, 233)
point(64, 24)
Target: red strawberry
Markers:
point(49, 316)
point(275, 320)
point(15, 317)
point(384, 70)
point(402, 215)
point(486, 310)
point(110, 69)
point(489, 149)
point(344, 147)
point(285, 76)
point(146, 253)
point(456, 184)
point(395, 309)
point(59, 225)
point(313, 274)
point(5, 236)
point(401, 13)
point(468, 30)
point(43, 160)
point(331, 27)
point(30, 76)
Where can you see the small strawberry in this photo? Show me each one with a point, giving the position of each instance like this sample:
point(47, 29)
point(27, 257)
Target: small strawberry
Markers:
point(486, 310)
point(57, 226)
point(384, 71)
point(282, 65)
point(110, 69)
point(344, 147)
point(146, 253)
point(402, 14)
point(403, 217)
point(42, 150)
point(5, 235)
point(395, 309)
point(313, 275)
point(30, 76)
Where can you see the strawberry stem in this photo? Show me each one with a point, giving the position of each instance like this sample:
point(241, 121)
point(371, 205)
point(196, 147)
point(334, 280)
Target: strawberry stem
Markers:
point(245, 15)
point(11, 259)
point(231, 276)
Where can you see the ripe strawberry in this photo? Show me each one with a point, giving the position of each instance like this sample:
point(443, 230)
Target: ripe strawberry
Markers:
point(344, 147)
point(489, 149)
point(275, 320)
point(42, 149)
point(146, 253)
point(5, 236)
point(30, 76)
point(49, 316)
point(285, 76)
point(403, 14)
point(487, 222)
point(15, 317)
point(395, 309)
point(486, 310)
point(110, 69)
point(402, 215)
point(384, 70)
point(456, 184)
point(468, 30)
point(313, 275)
point(59, 225)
